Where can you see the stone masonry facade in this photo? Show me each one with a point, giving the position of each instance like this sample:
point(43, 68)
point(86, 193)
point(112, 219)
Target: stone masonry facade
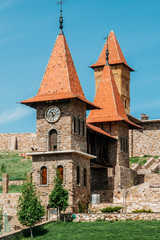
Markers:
point(22, 142)
point(121, 75)
point(69, 162)
point(67, 139)
point(145, 141)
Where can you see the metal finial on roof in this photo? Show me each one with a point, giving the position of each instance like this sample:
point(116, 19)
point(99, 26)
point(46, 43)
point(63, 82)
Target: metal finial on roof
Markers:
point(107, 54)
point(61, 16)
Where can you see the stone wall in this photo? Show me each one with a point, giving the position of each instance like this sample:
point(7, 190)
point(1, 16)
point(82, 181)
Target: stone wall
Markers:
point(66, 138)
point(144, 196)
point(8, 202)
point(145, 141)
point(91, 217)
point(17, 141)
point(17, 182)
point(69, 162)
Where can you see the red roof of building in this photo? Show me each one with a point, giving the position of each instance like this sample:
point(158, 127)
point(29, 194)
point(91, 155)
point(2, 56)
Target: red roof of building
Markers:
point(115, 53)
point(108, 98)
point(99, 131)
point(60, 80)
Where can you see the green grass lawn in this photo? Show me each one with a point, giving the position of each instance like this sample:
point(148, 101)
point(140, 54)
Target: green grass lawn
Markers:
point(13, 189)
point(17, 167)
point(140, 160)
point(118, 230)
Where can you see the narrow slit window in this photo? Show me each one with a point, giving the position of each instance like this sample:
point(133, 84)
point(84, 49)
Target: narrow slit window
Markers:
point(43, 177)
point(124, 145)
point(60, 169)
point(121, 143)
point(83, 128)
point(85, 177)
point(74, 124)
point(125, 103)
point(78, 176)
point(79, 127)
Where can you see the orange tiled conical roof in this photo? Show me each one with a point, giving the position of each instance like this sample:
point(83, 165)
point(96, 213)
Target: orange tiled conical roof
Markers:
point(60, 80)
point(108, 98)
point(115, 53)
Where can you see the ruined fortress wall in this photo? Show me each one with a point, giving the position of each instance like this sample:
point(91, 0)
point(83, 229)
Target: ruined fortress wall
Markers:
point(17, 141)
point(145, 141)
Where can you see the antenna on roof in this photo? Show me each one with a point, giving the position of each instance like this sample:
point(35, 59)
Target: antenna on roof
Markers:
point(107, 52)
point(61, 16)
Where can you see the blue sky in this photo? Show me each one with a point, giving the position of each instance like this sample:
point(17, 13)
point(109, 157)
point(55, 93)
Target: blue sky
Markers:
point(28, 30)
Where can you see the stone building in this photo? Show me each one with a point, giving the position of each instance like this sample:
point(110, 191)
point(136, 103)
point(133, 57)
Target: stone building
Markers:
point(91, 154)
point(92, 157)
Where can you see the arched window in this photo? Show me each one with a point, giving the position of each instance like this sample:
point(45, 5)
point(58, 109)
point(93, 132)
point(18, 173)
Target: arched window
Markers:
point(60, 169)
point(78, 176)
point(74, 125)
point(43, 176)
point(85, 177)
point(53, 140)
point(79, 126)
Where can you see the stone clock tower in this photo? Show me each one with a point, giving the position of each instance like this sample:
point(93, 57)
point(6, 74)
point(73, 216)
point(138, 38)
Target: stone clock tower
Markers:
point(61, 128)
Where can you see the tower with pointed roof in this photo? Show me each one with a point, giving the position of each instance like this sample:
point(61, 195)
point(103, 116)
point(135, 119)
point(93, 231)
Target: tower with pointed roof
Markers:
point(61, 127)
point(120, 69)
point(113, 119)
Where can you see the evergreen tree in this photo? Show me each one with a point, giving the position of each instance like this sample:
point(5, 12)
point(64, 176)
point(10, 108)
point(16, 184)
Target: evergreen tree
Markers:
point(59, 196)
point(29, 209)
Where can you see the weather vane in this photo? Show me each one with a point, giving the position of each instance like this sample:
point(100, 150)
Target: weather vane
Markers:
point(107, 52)
point(61, 2)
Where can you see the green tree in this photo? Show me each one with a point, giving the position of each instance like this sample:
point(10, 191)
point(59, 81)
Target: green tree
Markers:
point(3, 168)
point(29, 209)
point(59, 196)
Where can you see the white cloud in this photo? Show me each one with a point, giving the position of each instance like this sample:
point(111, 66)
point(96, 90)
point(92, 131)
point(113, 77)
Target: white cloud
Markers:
point(13, 115)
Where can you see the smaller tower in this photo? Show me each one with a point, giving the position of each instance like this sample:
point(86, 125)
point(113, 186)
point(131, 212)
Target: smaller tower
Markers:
point(113, 118)
point(121, 70)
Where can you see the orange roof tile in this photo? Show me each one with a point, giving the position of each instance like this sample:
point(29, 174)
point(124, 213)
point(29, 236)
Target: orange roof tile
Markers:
point(100, 131)
point(108, 98)
point(60, 80)
point(115, 53)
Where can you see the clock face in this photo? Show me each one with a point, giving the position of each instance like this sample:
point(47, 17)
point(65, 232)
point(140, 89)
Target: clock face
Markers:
point(52, 114)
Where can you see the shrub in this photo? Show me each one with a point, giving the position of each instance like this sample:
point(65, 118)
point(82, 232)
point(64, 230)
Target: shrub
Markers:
point(111, 209)
point(142, 210)
point(83, 206)
point(3, 168)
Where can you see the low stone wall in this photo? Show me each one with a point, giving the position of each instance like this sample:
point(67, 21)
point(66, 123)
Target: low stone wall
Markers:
point(8, 202)
point(18, 182)
point(17, 141)
point(145, 141)
point(90, 217)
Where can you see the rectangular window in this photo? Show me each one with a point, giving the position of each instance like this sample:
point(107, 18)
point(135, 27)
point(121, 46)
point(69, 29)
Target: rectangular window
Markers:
point(124, 145)
point(121, 143)
point(74, 125)
point(78, 176)
point(83, 128)
point(79, 127)
point(85, 177)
